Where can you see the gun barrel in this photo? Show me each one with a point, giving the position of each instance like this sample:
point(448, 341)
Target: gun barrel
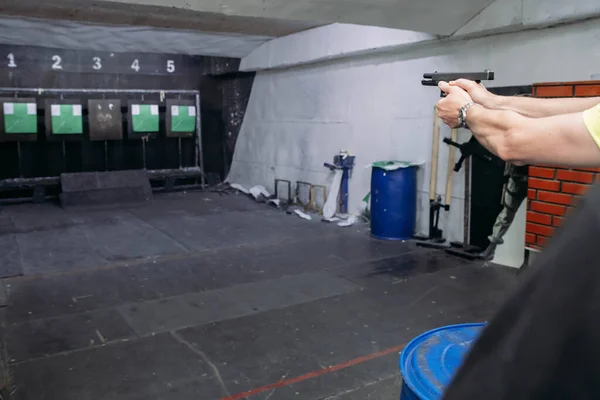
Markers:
point(432, 79)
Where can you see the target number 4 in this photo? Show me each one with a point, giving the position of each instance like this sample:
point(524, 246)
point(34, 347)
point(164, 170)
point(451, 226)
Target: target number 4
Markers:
point(136, 65)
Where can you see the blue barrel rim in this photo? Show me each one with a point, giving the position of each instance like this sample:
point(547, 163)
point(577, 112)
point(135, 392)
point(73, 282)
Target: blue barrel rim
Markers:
point(415, 342)
point(390, 238)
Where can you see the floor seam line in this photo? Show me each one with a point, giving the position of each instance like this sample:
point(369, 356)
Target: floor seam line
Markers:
point(186, 248)
point(204, 358)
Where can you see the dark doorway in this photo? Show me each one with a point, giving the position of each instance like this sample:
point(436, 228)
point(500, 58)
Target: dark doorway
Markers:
point(487, 181)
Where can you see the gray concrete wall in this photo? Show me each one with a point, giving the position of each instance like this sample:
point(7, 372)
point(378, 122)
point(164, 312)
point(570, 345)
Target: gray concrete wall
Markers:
point(375, 107)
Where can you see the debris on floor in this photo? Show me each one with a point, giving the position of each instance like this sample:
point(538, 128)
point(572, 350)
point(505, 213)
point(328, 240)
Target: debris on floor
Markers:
point(259, 193)
point(274, 202)
point(302, 215)
point(351, 220)
point(239, 187)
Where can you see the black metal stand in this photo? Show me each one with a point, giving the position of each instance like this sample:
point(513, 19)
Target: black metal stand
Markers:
point(435, 240)
point(464, 250)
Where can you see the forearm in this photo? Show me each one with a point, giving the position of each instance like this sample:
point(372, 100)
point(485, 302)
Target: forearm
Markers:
point(538, 108)
point(492, 129)
point(561, 139)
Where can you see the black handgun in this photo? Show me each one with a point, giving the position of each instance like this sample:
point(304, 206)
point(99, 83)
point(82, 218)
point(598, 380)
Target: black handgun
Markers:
point(432, 79)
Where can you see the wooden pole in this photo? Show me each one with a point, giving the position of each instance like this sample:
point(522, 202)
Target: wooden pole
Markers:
point(467, 209)
point(450, 171)
point(434, 154)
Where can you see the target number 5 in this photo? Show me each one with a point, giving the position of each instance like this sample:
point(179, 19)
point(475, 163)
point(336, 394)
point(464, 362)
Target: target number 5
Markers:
point(170, 66)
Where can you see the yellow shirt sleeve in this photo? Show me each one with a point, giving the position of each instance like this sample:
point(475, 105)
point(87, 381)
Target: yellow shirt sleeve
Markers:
point(591, 118)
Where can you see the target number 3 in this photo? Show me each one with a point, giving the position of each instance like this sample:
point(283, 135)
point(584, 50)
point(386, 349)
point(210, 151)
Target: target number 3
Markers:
point(97, 63)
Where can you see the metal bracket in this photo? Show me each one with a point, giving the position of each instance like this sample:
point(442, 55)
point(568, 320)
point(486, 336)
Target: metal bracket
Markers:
point(289, 189)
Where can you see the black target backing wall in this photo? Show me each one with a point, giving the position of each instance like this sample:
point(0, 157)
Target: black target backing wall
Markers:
point(215, 77)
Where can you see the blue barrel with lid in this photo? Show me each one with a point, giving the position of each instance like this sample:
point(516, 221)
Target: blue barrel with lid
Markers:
point(393, 200)
point(429, 362)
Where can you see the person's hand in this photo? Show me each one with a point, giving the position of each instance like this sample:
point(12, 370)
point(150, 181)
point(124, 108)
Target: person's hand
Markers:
point(477, 91)
point(448, 108)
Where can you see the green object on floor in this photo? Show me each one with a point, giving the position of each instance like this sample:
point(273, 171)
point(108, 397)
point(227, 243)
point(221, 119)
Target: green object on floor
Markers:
point(183, 118)
point(144, 117)
point(20, 118)
point(66, 119)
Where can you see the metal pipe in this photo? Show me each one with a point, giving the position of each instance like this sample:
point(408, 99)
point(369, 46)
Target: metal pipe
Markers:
point(179, 144)
point(143, 153)
point(344, 191)
point(64, 154)
point(199, 159)
point(20, 161)
point(106, 155)
point(21, 200)
point(116, 91)
point(55, 180)
point(178, 188)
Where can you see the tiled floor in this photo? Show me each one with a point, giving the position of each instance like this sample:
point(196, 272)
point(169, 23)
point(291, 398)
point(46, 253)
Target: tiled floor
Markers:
point(201, 296)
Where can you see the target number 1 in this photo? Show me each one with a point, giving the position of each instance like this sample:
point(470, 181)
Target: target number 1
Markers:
point(11, 61)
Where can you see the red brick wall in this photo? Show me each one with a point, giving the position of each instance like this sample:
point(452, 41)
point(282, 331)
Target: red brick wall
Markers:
point(553, 191)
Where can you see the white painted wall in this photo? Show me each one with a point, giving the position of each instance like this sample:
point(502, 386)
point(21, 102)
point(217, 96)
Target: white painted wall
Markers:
point(376, 108)
point(326, 43)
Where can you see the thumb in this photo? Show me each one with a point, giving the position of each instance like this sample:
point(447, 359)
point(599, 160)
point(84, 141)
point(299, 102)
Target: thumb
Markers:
point(465, 84)
point(444, 86)
point(447, 88)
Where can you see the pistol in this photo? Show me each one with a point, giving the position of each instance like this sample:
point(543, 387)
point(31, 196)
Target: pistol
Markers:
point(432, 79)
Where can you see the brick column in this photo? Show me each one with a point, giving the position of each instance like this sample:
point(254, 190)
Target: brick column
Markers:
point(554, 190)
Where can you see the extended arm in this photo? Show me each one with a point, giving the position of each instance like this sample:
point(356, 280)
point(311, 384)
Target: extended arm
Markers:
point(539, 108)
point(561, 139)
point(527, 106)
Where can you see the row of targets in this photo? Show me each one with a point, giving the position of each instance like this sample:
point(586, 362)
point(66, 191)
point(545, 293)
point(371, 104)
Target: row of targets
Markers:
point(64, 119)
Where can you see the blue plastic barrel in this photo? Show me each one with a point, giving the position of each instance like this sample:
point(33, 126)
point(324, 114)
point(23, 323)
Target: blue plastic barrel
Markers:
point(393, 203)
point(429, 361)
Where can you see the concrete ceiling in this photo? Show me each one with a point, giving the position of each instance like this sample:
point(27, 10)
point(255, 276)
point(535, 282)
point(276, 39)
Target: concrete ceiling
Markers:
point(122, 39)
point(161, 16)
point(257, 17)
